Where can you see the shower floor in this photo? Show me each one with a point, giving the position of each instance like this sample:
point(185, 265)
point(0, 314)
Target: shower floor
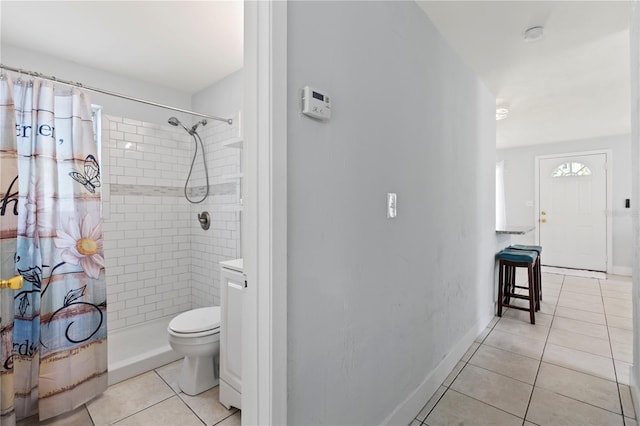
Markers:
point(140, 348)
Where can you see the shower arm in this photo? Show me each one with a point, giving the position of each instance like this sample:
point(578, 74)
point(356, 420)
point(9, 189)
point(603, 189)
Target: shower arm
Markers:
point(108, 92)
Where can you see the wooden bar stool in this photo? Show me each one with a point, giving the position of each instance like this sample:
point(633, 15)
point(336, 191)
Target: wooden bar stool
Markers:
point(537, 249)
point(511, 259)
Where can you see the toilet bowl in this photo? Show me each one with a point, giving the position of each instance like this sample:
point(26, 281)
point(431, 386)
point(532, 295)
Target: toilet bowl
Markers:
point(196, 335)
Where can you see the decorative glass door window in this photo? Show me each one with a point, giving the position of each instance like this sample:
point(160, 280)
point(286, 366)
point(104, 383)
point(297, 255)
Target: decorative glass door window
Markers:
point(571, 169)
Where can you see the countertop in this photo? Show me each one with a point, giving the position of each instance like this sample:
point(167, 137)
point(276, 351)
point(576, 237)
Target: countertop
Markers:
point(516, 230)
point(236, 265)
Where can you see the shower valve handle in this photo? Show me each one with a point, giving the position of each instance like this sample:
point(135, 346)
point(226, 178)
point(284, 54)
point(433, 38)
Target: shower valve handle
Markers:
point(205, 220)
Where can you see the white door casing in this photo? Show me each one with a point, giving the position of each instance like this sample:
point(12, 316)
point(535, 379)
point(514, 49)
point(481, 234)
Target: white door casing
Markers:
point(264, 327)
point(573, 224)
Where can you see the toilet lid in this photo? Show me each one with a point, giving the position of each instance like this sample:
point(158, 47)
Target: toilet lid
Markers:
point(196, 320)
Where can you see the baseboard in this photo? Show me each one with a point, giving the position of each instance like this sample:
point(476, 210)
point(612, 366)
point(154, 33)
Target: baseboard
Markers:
point(621, 270)
point(145, 361)
point(635, 392)
point(407, 410)
point(228, 396)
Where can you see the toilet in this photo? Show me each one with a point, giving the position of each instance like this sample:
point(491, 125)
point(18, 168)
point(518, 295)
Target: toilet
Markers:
point(196, 335)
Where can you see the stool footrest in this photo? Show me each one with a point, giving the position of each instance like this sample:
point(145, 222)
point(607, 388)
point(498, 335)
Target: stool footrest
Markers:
point(522, 287)
point(518, 296)
point(516, 307)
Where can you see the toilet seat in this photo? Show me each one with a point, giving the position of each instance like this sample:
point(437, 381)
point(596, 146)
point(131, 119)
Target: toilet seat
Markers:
point(196, 322)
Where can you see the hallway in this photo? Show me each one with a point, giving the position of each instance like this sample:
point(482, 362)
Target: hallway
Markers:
point(571, 367)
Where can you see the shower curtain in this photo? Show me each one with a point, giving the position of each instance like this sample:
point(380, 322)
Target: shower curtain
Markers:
point(59, 336)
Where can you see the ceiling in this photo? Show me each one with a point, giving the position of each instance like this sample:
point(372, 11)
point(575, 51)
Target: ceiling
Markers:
point(572, 84)
point(183, 45)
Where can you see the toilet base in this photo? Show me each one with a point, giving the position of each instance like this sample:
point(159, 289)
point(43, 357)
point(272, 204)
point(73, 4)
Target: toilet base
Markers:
point(198, 374)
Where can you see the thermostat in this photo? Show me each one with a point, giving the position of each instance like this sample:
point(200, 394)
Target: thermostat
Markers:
point(315, 103)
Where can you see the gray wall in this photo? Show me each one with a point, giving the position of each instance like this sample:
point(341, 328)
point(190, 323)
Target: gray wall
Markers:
point(519, 164)
point(375, 304)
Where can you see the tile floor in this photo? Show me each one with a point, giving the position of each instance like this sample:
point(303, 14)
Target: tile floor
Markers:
point(152, 398)
point(570, 368)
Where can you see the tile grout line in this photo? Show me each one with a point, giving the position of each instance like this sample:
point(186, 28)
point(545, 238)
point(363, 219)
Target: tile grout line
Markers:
point(553, 316)
point(533, 388)
point(232, 414)
point(188, 406)
point(89, 414)
point(489, 405)
point(592, 375)
point(468, 363)
point(178, 395)
point(615, 370)
point(422, 422)
point(499, 373)
point(152, 405)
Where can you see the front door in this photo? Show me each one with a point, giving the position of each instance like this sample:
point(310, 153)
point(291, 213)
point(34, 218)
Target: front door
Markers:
point(572, 211)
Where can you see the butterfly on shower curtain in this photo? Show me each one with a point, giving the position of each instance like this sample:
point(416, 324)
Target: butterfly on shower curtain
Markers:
point(91, 177)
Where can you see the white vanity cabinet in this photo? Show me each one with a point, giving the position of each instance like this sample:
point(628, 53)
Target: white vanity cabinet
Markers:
point(232, 286)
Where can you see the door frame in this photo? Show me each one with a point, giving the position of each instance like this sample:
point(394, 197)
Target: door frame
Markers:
point(608, 211)
point(264, 236)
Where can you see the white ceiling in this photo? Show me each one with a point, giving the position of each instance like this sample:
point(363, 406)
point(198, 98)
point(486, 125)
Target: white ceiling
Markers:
point(184, 45)
point(572, 84)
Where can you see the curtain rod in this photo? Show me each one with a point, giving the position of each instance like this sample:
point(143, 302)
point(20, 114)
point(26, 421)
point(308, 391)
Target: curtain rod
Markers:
point(107, 92)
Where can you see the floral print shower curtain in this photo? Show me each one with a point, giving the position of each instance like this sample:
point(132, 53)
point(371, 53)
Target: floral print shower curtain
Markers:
point(8, 235)
point(59, 336)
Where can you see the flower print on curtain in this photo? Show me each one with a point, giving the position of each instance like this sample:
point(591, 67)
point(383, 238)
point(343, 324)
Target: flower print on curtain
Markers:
point(60, 336)
point(8, 233)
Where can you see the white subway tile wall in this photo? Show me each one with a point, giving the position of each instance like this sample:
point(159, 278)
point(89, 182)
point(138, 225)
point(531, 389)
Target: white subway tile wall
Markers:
point(159, 261)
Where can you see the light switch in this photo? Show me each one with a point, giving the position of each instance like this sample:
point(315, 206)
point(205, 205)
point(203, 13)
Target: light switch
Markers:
point(392, 205)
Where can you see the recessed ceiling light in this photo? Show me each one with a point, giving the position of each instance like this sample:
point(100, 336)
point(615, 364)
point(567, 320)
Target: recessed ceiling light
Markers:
point(533, 34)
point(502, 113)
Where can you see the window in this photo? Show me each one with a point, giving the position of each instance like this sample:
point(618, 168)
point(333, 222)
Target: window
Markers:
point(96, 114)
point(571, 169)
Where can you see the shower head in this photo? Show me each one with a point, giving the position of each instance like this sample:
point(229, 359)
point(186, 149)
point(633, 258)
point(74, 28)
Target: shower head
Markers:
point(175, 122)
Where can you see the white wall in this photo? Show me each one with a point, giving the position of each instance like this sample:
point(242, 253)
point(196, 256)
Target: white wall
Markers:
point(49, 65)
point(158, 259)
point(520, 189)
point(146, 221)
point(224, 98)
point(222, 240)
point(375, 305)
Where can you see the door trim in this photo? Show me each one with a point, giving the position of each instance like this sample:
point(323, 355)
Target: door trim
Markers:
point(264, 328)
point(608, 213)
